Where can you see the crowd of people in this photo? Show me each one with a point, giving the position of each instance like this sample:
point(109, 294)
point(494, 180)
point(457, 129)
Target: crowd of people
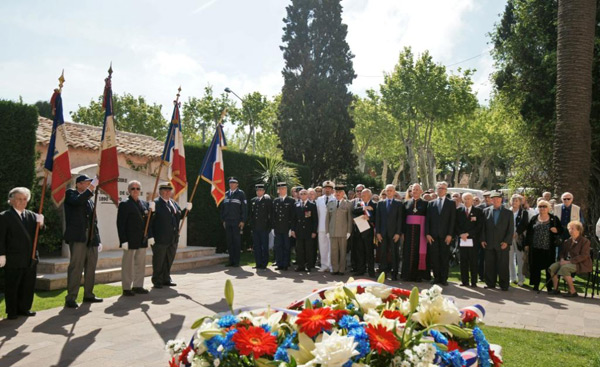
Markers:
point(331, 228)
point(412, 236)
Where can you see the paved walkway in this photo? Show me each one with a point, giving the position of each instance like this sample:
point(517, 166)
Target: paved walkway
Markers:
point(128, 331)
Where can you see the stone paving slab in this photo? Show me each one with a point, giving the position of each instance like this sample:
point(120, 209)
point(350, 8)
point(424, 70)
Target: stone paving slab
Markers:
point(128, 331)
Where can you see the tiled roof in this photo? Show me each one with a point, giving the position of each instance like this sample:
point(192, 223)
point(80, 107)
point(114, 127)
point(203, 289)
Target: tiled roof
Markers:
point(88, 137)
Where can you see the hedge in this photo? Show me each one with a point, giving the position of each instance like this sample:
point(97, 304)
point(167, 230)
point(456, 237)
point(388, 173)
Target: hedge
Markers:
point(204, 225)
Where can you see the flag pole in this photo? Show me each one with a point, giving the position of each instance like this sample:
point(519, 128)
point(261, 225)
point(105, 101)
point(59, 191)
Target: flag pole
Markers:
point(198, 178)
point(97, 189)
point(167, 145)
point(61, 81)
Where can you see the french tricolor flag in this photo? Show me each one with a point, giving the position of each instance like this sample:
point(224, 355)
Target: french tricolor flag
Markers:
point(174, 154)
point(213, 169)
point(108, 167)
point(57, 158)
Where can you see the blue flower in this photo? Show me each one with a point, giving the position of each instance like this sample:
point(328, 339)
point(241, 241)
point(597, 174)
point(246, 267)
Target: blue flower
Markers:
point(483, 347)
point(316, 303)
point(361, 337)
point(228, 343)
point(348, 322)
point(227, 321)
point(213, 344)
point(288, 343)
point(281, 355)
point(350, 306)
point(438, 337)
point(266, 328)
point(451, 359)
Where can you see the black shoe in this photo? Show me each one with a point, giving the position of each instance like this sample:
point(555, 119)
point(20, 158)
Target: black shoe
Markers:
point(569, 294)
point(229, 265)
point(170, 284)
point(27, 313)
point(71, 304)
point(309, 270)
point(92, 299)
point(488, 287)
point(464, 285)
point(340, 273)
point(157, 285)
point(280, 268)
point(444, 283)
point(140, 290)
point(299, 269)
point(128, 293)
point(11, 317)
point(504, 289)
point(474, 285)
point(556, 292)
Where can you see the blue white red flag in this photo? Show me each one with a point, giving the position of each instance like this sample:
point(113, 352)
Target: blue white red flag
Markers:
point(57, 158)
point(108, 167)
point(213, 169)
point(174, 155)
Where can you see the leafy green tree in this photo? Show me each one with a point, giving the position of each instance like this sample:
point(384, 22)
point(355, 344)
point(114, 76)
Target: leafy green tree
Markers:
point(44, 109)
point(201, 115)
point(132, 114)
point(314, 121)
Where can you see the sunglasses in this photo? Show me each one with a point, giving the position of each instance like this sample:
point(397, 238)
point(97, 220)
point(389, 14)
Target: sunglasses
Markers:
point(135, 189)
point(567, 199)
point(542, 207)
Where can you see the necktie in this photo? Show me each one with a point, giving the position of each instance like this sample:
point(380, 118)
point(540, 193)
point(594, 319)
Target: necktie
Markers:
point(467, 211)
point(23, 216)
point(338, 204)
point(389, 202)
point(326, 200)
point(440, 203)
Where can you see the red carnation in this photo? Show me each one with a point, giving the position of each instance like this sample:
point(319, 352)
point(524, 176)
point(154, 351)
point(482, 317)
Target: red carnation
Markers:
point(338, 314)
point(453, 345)
point(313, 321)
point(401, 292)
point(256, 341)
point(360, 290)
point(391, 298)
point(468, 316)
point(183, 356)
point(381, 339)
point(394, 315)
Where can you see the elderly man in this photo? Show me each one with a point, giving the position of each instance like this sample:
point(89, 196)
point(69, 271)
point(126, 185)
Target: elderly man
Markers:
point(82, 235)
point(17, 231)
point(233, 216)
point(567, 212)
point(339, 225)
point(498, 230)
point(390, 214)
point(469, 223)
point(457, 199)
point(304, 230)
point(261, 210)
point(324, 244)
point(439, 231)
point(521, 219)
point(131, 223)
point(283, 216)
point(365, 208)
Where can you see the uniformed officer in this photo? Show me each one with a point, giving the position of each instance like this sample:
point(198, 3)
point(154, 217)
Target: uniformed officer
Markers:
point(283, 214)
point(304, 230)
point(339, 225)
point(233, 216)
point(261, 210)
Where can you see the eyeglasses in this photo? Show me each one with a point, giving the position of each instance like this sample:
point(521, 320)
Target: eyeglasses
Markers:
point(567, 199)
point(542, 207)
point(303, 193)
point(135, 189)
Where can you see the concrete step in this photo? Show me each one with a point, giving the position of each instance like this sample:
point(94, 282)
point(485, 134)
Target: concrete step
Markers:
point(112, 259)
point(186, 259)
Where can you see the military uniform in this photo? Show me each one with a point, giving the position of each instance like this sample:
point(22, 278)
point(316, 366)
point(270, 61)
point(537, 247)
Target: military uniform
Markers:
point(261, 210)
point(305, 226)
point(233, 212)
point(339, 225)
point(283, 214)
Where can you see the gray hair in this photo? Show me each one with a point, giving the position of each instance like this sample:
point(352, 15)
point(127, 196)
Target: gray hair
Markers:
point(367, 191)
point(516, 197)
point(19, 190)
point(441, 183)
point(134, 182)
point(466, 195)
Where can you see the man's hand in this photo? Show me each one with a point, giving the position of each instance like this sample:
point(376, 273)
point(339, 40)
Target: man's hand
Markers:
point(273, 232)
point(347, 235)
point(151, 241)
point(483, 244)
point(241, 225)
point(464, 236)
point(125, 245)
point(379, 238)
point(2, 261)
point(503, 245)
point(526, 248)
point(40, 219)
point(188, 206)
point(396, 238)
point(365, 217)
point(152, 206)
point(314, 235)
point(292, 234)
point(429, 239)
point(448, 240)
point(99, 247)
point(93, 184)
point(369, 207)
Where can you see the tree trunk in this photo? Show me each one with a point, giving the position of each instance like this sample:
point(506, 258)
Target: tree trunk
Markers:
point(384, 172)
point(397, 175)
point(423, 173)
point(572, 138)
point(432, 167)
point(457, 171)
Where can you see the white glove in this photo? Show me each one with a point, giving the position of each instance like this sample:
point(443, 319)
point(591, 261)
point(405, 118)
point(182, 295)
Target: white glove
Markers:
point(125, 245)
point(94, 181)
point(39, 218)
point(273, 232)
point(2, 261)
point(290, 233)
point(188, 206)
point(347, 235)
point(151, 241)
point(327, 235)
point(152, 206)
point(99, 247)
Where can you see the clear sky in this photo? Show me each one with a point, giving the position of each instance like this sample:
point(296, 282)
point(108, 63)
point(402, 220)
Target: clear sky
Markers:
point(155, 46)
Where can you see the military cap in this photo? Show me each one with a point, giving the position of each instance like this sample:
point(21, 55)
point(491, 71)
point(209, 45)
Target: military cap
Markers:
point(340, 187)
point(328, 184)
point(486, 193)
point(298, 188)
point(259, 186)
point(232, 179)
point(165, 186)
point(282, 184)
point(496, 194)
point(82, 177)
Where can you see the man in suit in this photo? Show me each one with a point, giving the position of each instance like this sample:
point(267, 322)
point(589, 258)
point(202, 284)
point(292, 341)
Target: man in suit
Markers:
point(354, 240)
point(17, 232)
point(498, 229)
point(165, 229)
point(389, 217)
point(81, 233)
point(261, 208)
point(469, 222)
point(304, 230)
point(365, 260)
point(233, 216)
point(131, 223)
point(324, 244)
point(439, 231)
point(283, 215)
point(339, 225)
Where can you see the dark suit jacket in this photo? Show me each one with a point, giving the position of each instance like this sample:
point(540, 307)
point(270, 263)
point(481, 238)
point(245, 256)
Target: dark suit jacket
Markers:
point(131, 222)
point(495, 234)
point(522, 221)
point(471, 225)
point(306, 220)
point(359, 210)
point(78, 215)
point(260, 213)
point(440, 225)
point(389, 222)
point(165, 224)
point(16, 238)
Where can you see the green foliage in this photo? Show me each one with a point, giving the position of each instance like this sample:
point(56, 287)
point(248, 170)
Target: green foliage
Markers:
point(132, 114)
point(274, 170)
point(44, 109)
point(204, 224)
point(314, 121)
point(51, 236)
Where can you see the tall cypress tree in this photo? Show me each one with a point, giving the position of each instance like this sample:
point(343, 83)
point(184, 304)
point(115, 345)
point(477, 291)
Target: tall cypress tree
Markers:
point(314, 123)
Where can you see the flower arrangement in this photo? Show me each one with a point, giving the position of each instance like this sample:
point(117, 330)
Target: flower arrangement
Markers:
point(357, 324)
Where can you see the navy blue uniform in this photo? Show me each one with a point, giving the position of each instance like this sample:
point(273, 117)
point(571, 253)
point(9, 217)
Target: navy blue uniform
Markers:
point(305, 227)
point(283, 215)
point(233, 212)
point(261, 210)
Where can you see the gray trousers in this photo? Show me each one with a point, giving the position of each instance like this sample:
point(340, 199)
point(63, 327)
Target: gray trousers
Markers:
point(133, 268)
point(83, 259)
point(163, 256)
point(339, 246)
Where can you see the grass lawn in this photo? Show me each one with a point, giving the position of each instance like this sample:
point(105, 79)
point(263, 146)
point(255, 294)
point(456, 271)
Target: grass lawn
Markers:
point(44, 300)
